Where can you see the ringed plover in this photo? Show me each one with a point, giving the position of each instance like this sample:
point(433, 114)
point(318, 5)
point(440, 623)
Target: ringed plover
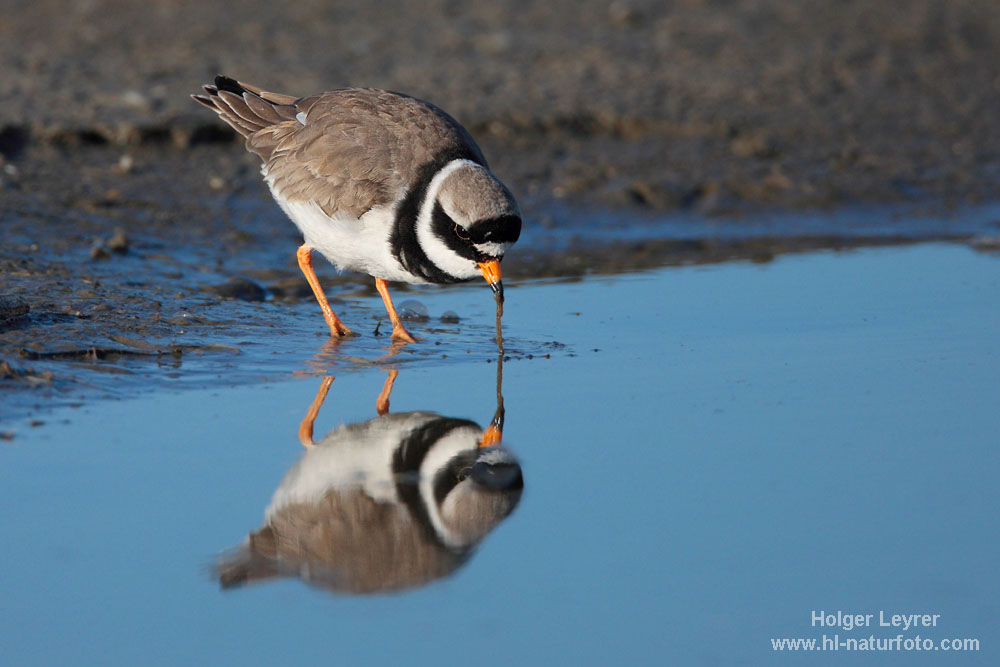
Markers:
point(383, 505)
point(378, 182)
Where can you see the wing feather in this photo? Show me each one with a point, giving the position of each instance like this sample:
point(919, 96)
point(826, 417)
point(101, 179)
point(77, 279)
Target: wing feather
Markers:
point(359, 148)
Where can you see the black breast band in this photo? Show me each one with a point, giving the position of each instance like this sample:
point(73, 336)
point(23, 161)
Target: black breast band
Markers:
point(403, 240)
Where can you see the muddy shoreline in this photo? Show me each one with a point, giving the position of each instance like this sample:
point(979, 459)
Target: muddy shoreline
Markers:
point(131, 279)
point(126, 212)
point(714, 105)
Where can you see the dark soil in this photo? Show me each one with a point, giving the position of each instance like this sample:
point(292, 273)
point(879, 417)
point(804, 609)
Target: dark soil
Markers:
point(709, 103)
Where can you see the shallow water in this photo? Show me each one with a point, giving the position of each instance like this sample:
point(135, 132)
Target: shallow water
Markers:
point(715, 453)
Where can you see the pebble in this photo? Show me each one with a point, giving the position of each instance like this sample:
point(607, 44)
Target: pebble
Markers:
point(239, 288)
point(125, 164)
point(118, 242)
point(12, 307)
point(624, 14)
point(184, 319)
point(412, 310)
point(292, 288)
point(99, 251)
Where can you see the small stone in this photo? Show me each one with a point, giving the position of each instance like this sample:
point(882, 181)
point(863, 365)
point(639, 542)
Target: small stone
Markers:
point(125, 164)
point(134, 99)
point(118, 242)
point(777, 180)
point(986, 243)
point(239, 288)
point(412, 310)
point(292, 289)
point(184, 319)
point(624, 14)
point(99, 251)
point(654, 195)
point(450, 317)
point(753, 144)
point(13, 307)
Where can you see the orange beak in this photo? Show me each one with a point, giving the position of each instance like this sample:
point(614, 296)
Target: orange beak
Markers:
point(494, 432)
point(492, 436)
point(491, 271)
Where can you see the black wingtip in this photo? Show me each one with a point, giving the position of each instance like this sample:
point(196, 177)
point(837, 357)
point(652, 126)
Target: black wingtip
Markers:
point(229, 85)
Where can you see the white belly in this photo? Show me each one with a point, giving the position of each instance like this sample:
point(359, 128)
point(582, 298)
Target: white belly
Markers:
point(349, 457)
point(349, 243)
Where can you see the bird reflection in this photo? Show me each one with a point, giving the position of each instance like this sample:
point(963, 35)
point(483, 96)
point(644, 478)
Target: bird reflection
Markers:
point(383, 505)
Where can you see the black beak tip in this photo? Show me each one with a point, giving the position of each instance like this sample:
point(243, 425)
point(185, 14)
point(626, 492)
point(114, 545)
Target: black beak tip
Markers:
point(497, 288)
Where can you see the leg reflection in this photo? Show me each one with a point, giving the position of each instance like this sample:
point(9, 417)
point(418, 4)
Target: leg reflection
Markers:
point(382, 404)
point(306, 427)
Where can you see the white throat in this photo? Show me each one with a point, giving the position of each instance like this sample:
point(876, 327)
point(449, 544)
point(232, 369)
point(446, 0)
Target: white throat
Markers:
point(447, 447)
point(440, 254)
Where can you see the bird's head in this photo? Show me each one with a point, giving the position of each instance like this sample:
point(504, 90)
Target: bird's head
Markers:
point(471, 222)
point(476, 491)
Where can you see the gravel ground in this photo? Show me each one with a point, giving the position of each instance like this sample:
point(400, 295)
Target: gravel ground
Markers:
point(664, 104)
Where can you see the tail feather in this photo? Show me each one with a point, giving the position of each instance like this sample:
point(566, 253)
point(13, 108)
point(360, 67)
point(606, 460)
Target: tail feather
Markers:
point(268, 111)
point(229, 85)
point(245, 567)
point(239, 107)
point(247, 109)
point(255, 560)
point(274, 98)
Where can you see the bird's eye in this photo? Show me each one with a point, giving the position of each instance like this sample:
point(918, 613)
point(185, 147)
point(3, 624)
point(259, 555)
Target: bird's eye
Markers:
point(463, 473)
point(461, 232)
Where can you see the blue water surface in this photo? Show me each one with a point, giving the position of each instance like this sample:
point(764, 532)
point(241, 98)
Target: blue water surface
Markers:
point(717, 453)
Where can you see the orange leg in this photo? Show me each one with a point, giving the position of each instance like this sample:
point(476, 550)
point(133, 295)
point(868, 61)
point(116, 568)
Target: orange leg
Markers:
point(306, 427)
point(382, 404)
point(399, 332)
point(337, 328)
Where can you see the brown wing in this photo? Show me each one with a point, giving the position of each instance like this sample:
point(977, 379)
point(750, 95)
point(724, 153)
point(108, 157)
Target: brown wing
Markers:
point(359, 147)
point(347, 541)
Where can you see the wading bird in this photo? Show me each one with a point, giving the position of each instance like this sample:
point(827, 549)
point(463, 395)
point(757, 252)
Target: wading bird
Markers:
point(378, 182)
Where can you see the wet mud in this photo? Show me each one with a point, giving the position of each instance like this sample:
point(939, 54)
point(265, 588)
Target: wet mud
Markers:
point(130, 280)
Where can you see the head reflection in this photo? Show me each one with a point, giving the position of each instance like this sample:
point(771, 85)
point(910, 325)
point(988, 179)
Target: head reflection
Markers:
point(383, 505)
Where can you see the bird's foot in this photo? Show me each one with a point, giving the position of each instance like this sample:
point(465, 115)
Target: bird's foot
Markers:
point(400, 334)
point(340, 330)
